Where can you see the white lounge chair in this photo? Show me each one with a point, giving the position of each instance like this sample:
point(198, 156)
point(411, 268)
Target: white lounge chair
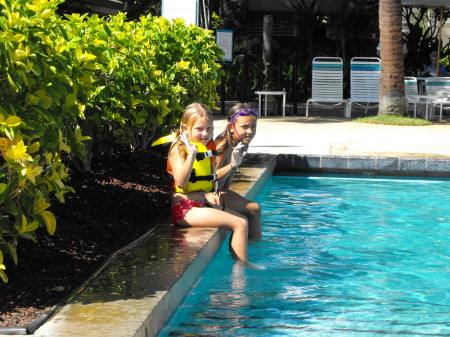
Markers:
point(327, 79)
point(413, 96)
point(364, 82)
point(438, 92)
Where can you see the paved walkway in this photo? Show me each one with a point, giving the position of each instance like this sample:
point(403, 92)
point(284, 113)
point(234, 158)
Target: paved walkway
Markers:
point(340, 136)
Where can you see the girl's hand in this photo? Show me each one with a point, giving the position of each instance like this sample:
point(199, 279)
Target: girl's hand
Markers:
point(238, 155)
point(192, 149)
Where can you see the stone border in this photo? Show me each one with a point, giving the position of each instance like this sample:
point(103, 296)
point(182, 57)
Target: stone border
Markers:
point(364, 165)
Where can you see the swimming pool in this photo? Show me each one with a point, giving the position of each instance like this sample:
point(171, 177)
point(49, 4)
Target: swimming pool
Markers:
point(342, 257)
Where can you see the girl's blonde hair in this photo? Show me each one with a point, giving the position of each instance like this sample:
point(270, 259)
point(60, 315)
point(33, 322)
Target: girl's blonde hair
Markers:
point(191, 114)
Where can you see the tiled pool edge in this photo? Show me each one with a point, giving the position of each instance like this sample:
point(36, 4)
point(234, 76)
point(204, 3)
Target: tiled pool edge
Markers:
point(365, 165)
point(103, 308)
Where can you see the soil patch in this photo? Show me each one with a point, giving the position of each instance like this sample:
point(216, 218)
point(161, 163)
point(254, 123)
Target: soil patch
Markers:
point(120, 199)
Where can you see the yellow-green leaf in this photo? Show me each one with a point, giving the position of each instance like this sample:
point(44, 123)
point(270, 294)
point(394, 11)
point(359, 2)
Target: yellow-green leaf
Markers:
point(24, 224)
point(17, 152)
point(19, 54)
point(41, 205)
point(12, 121)
point(2, 267)
point(36, 69)
point(183, 64)
point(18, 37)
point(31, 173)
point(64, 147)
point(59, 183)
point(12, 83)
point(47, 13)
point(70, 99)
point(31, 227)
point(50, 221)
point(60, 48)
point(34, 147)
point(2, 274)
point(136, 101)
point(87, 57)
point(79, 136)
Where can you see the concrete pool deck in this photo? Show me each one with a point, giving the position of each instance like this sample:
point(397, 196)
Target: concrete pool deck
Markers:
point(137, 293)
point(343, 137)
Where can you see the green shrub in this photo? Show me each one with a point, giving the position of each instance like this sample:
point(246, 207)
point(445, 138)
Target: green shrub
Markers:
point(34, 122)
point(75, 84)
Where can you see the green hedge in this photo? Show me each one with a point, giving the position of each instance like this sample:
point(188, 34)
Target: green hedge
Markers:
point(71, 85)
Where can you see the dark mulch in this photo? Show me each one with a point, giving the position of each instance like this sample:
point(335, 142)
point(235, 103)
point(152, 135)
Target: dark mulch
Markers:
point(120, 199)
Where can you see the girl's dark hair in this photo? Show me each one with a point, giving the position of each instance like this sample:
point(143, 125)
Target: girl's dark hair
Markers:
point(226, 134)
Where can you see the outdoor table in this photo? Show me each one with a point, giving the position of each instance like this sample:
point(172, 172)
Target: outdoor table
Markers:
point(270, 93)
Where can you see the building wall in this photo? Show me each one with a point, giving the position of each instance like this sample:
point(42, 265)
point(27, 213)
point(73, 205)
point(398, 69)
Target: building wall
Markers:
point(284, 5)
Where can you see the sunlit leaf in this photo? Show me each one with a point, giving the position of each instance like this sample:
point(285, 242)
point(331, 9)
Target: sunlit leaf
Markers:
point(31, 173)
point(79, 136)
point(17, 152)
point(34, 147)
point(50, 221)
point(47, 13)
point(3, 274)
point(41, 205)
point(12, 121)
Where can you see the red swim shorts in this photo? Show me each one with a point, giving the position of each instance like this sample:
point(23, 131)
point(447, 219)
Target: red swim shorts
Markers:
point(181, 207)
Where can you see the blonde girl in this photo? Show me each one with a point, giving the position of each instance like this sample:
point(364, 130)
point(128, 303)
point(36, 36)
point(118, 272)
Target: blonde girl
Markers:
point(232, 145)
point(192, 163)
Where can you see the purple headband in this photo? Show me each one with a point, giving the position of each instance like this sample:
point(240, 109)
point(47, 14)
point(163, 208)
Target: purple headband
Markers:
point(244, 112)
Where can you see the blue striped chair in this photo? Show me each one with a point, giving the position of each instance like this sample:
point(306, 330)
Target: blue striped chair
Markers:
point(327, 83)
point(413, 96)
point(438, 92)
point(364, 82)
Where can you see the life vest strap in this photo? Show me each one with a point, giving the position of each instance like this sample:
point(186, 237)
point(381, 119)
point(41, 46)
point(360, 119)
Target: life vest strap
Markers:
point(210, 177)
point(206, 154)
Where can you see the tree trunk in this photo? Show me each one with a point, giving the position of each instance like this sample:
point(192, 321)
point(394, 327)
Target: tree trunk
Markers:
point(392, 86)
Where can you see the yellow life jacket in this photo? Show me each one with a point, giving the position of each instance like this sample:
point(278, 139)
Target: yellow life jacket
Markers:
point(163, 144)
point(202, 178)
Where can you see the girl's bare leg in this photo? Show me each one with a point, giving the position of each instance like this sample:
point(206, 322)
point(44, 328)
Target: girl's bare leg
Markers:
point(238, 203)
point(212, 217)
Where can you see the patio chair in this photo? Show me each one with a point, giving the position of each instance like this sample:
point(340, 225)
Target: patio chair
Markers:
point(438, 92)
point(327, 79)
point(413, 96)
point(364, 82)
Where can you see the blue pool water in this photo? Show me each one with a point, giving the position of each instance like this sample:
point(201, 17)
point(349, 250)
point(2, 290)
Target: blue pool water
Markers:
point(342, 257)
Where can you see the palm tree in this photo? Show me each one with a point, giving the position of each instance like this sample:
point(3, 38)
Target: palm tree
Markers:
point(392, 87)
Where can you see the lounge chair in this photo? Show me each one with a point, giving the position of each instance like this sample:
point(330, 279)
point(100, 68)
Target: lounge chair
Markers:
point(327, 79)
point(438, 93)
point(413, 96)
point(364, 82)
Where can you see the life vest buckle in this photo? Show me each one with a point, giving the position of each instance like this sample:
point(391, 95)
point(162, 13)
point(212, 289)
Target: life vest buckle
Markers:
point(206, 154)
